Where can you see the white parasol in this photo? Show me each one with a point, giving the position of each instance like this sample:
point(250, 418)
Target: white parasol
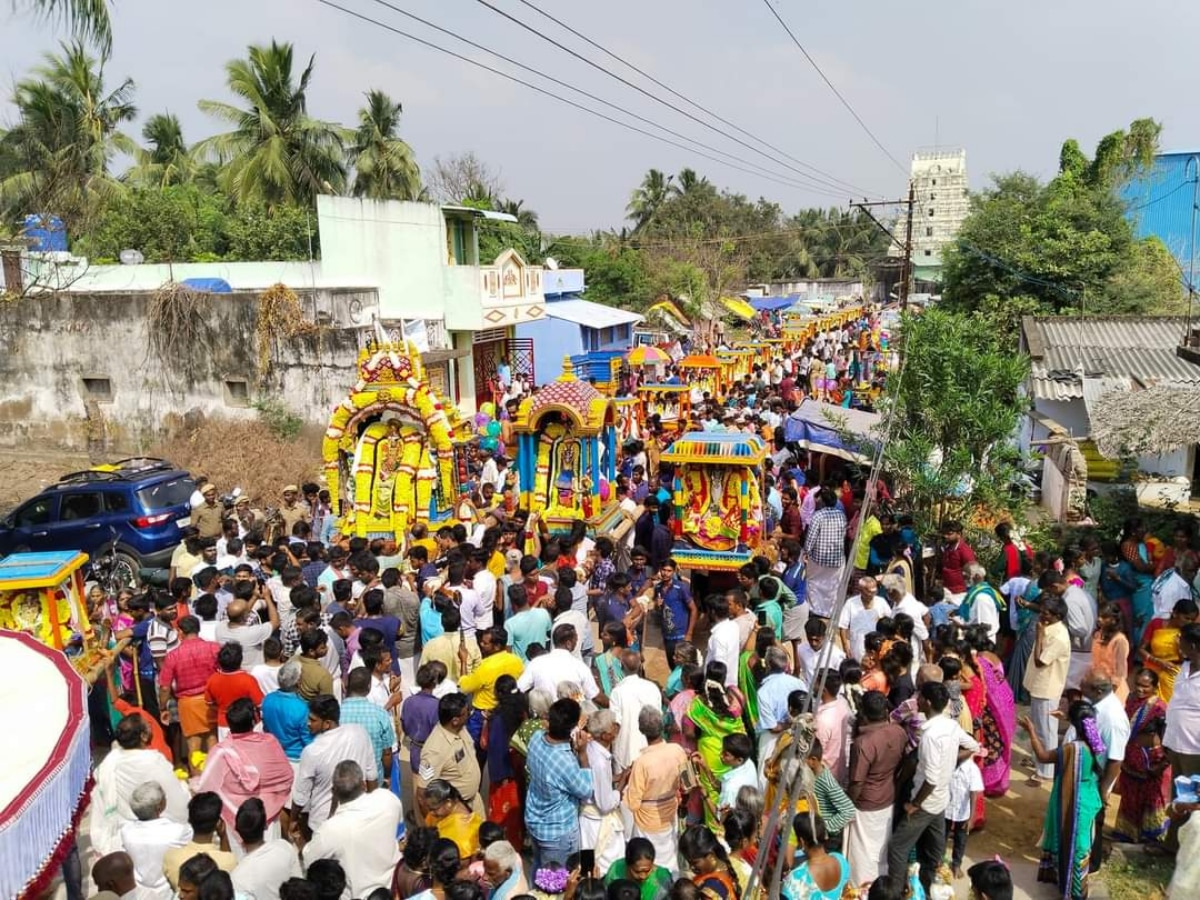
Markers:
point(46, 777)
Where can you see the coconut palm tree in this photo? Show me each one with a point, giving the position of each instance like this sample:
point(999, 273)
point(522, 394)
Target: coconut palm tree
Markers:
point(67, 133)
point(648, 198)
point(88, 19)
point(688, 183)
point(385, 167)
point(276, 153)
point(166, 160)
point(526, 218)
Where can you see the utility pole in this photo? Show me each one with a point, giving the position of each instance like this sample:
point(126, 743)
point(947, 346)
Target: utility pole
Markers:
point(905, 245)
point(907, 271)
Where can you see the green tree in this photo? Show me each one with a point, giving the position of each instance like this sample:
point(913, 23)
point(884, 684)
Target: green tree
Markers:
point(956, 402)
point(276, 153)
point(176, 223)
point(1065, 245)
point(648, 198)
point(256, 232)
point(165, 161)
point(385, 166)
point(68, 131)
point(88, 19)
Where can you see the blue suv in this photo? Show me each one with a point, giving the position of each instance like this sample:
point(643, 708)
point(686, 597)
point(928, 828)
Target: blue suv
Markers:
point(135, 507)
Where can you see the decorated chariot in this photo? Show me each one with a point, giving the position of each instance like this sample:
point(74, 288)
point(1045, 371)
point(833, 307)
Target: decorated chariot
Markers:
point(567, 454)
point(394, 451)
point(719, 517)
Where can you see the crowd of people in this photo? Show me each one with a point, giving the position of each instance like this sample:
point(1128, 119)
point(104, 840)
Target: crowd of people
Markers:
point(850, 684)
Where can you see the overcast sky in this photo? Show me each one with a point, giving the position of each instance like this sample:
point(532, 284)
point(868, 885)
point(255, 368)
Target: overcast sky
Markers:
point(1007, 81)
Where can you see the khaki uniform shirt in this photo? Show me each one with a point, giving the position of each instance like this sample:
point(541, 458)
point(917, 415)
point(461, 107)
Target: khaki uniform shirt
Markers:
point(207, 519)
point(451, 757)
point(293, 514)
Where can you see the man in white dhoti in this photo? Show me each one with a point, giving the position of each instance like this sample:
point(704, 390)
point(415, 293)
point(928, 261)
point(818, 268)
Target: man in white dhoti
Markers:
point(601, 827)
point(875, 755)
point(825, 553)
point(129, 764)
point(652, 792)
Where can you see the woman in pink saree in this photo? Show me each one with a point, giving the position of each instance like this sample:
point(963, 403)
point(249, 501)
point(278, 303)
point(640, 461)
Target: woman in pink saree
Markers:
point(247, 764)
point(999, 720)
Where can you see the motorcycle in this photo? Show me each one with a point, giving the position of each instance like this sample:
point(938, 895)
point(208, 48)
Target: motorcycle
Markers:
point(113, 569)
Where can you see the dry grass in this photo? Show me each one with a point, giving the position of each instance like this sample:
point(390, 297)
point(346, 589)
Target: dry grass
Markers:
point(248, 455)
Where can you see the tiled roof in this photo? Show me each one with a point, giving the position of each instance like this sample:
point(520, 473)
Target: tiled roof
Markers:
point(1064, 350)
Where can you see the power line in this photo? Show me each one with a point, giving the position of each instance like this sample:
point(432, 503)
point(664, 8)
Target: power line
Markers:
point(675, 93)
point(542, 90)
point(780, 178)
point(836, 92)
point(640, 89)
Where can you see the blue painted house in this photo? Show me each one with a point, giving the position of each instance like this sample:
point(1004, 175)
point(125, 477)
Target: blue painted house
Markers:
point(1159, 202)
point(592, 334)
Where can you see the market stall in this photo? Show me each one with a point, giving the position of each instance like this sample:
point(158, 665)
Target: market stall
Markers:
point(834, 430)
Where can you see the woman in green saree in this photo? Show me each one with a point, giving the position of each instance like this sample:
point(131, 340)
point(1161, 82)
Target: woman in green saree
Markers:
point(715, 713)
point(1074, 801)
point(638, 866)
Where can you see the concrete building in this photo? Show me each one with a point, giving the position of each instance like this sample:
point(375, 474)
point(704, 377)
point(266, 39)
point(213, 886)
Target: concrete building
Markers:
point(78, 344)
point(942, 202)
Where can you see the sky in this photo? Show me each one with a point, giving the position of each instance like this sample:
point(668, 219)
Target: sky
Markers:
point(1007, 82)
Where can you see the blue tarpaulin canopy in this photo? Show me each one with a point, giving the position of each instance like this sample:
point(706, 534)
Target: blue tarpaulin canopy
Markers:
point(208, 285)
point(836, 430)
point(770, 304)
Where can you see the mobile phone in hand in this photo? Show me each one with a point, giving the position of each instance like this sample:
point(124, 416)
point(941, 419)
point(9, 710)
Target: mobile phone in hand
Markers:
point(587, 862)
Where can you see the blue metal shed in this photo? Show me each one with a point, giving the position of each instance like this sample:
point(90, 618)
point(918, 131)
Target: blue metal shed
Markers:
point(1160, 202)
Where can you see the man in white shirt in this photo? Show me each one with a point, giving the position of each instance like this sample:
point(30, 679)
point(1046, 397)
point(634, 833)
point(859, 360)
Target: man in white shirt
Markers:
point(565, 613)
point(559, 665)
point(600, 815)
point(984, 610)
point(483, 583)
point(312, 792)
point(723, 643)
point(628, 698)
point(476, 611)
point(942, 745)
point(150, 836)
point(361, 834)
point(266, 864)
point(1171, 586)
point(859, 615)
point(128, 765)
point(1111, 721)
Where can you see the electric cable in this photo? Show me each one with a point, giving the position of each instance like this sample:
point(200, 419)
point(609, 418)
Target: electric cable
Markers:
point(426, 43)
point(787, 180)
point(636, 87)
point(846, 103)
point(618, 58)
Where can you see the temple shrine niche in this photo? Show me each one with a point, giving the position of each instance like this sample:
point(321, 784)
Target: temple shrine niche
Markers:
point(41, 594)
point(567, 454)
point(393, 448)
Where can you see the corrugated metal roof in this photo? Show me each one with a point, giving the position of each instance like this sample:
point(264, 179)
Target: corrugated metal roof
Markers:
point(593, 315)
point(1065, 350)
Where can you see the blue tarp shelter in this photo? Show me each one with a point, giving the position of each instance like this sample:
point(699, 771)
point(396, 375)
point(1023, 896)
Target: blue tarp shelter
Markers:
point(770, 304)
point(208, 285)
point(836, 430)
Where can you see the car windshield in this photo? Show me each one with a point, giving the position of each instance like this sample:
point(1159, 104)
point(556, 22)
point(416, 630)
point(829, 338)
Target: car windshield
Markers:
point(166, 494)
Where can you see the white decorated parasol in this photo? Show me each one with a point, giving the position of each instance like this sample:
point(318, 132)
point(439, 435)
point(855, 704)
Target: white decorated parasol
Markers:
point(46, 748)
